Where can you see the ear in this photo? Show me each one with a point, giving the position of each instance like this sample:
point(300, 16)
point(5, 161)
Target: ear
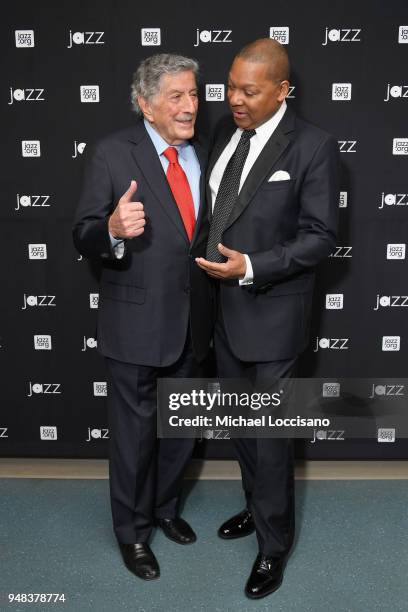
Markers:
point(146, 108)
point(284, 90)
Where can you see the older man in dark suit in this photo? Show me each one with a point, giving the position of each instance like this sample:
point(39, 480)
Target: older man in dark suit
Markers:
point(142, 215)
point(273, 187)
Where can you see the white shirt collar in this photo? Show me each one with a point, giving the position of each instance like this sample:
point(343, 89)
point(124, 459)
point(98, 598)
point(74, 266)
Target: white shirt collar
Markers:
point(265, 131)
point(160, 144)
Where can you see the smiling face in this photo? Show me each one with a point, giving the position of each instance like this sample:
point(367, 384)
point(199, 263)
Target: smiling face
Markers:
point(173, 110)
point(254, 97)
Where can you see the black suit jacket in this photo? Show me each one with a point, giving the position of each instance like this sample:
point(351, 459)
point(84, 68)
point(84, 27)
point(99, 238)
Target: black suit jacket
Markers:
point(286, 227)
point(149, 297)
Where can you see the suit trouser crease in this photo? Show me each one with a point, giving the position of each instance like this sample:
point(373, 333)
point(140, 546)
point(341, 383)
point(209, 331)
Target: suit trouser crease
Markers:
point(145, 474)
point(267, 464)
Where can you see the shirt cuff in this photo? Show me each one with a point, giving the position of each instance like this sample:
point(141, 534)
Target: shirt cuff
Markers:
point(249, 273)
point(118, 246)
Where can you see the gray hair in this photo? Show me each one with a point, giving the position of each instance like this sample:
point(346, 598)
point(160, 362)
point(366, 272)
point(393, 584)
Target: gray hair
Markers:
point(147, 78)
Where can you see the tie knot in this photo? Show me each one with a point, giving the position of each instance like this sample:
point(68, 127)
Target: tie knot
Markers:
point(247, 135)
point(172, 154)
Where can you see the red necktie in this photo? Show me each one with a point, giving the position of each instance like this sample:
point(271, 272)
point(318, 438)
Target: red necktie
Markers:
point(181, 190)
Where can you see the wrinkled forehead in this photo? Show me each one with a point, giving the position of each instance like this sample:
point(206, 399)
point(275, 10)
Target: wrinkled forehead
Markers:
point(182, 81)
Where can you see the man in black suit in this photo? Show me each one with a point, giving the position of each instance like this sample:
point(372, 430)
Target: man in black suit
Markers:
point(142, 215)
point(273, 187)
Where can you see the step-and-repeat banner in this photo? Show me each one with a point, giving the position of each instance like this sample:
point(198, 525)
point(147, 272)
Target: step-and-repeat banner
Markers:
point(66, 82)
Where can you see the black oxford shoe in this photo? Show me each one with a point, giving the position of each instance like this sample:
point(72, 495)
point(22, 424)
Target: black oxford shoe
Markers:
point(238, 526)
point(177, 529)
point(140, 560)
point(266, 576)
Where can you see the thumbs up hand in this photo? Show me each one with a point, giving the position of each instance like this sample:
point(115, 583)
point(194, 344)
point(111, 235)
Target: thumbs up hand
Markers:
point(128, 218)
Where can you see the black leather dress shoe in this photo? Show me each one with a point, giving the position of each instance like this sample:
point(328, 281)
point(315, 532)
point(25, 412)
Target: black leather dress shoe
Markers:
point(266, 576)
point(140, 560)
point(238, 526)
point(177, 529)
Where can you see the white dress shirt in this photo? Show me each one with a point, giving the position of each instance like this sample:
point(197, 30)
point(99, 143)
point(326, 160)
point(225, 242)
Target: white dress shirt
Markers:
point(257, 143)
point(188, 160)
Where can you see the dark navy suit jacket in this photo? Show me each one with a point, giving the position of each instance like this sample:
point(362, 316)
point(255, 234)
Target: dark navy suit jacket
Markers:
point(286, 227)
point(151, 297)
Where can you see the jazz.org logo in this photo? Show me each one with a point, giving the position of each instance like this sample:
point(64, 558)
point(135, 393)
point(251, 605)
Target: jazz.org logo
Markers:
point(100, 389)
point(93, 300)
point(48, 432)
point(396, 91)
point(43, 388)
point(329, 434)
point(97, 434)
point(79, 148)
point(403, 35)
point(26, 95)
point(387, 391)
point(85, 38)
point(341, 91)
point(213, 36)
point(392, 301)
point(151, 37)
point(291, 92)
point(37, 251)
point(42, 342)
point(30, 148)
point(24, 39)
point(3, 432)
point(341, 35)
point(400, 146)
point(214, 93)
point(89, 93)
point(35, 201)
point(342, 252)
point(38, 300)
point(336, 344)
point(343, 199)
point(386, 434)
point(347, 146)
point(331, 389)
point(334, 301)
point(393, 199)
point(280, 33)
point(391, 343)
point(396, 251)
point(89, 343)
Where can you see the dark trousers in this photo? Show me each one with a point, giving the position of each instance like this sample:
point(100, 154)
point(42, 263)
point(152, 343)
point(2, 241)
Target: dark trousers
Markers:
point(145, 474)
point(267, 464)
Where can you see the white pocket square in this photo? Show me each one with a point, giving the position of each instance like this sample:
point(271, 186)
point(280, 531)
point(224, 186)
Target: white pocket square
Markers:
point(279, 175)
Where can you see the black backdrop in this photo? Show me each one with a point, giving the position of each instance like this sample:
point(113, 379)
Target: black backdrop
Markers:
point(66, 77)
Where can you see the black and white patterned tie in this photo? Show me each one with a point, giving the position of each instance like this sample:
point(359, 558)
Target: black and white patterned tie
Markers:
point(227, 196)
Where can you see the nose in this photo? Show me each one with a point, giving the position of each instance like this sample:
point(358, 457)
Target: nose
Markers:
point(234, 98)
point(189, 105)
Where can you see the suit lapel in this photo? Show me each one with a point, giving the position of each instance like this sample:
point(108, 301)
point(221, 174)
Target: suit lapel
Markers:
point(148, 161)
point(268, 157)
point(215, 154)
point(202, 158)
point(270, 154)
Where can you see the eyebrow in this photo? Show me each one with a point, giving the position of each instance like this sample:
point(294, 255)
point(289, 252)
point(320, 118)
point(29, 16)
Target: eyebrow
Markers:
point(172, 91)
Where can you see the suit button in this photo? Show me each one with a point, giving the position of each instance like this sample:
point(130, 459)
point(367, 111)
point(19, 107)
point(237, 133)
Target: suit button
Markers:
point(187, 289)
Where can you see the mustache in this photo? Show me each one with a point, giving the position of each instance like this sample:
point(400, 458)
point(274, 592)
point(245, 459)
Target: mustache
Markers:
point(186, 117)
